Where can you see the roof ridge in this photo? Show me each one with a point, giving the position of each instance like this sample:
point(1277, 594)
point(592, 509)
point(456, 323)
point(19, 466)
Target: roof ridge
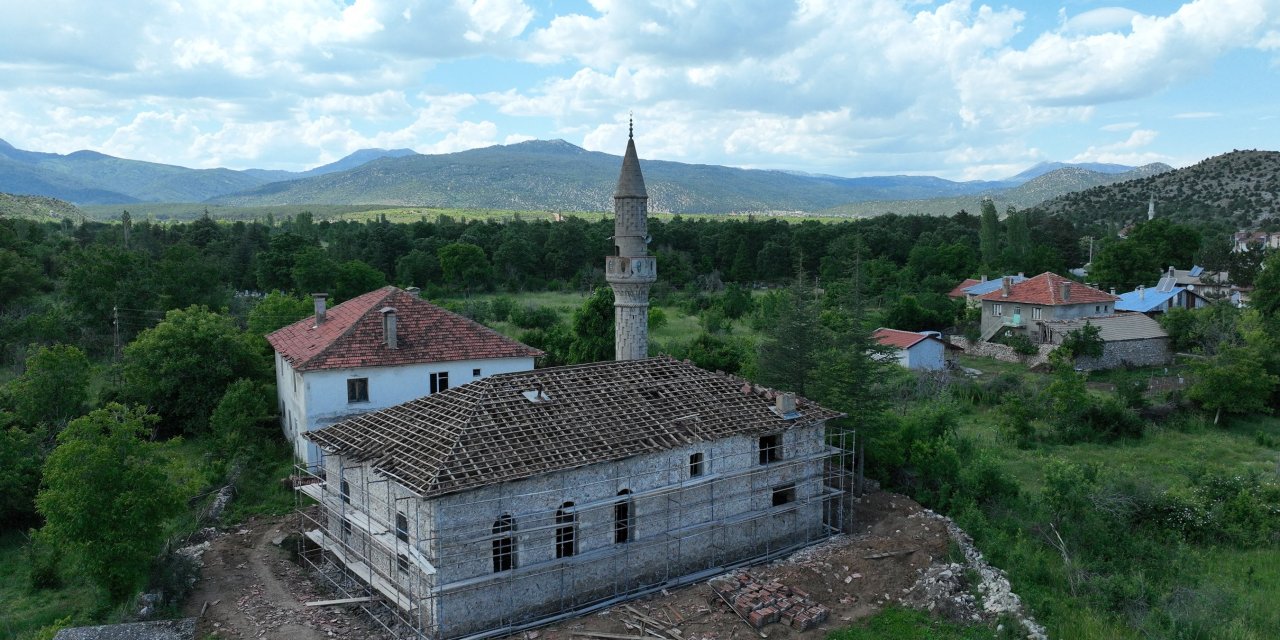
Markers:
point(351, 327)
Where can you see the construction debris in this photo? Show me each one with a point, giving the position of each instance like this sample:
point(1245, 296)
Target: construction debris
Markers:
point(762, 603)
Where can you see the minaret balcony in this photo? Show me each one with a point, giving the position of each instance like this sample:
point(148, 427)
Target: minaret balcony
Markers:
point(624, 269)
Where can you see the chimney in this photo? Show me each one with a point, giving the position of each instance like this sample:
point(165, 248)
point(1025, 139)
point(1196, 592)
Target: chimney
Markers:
point(984, 277)
point(1066, 291)
point(389, 326)
point(414, 291)
point(1006, 283)
point(1113, 291)
point(786, 403)
point(1021, 274)
point(1142, 292)
point(319, 299)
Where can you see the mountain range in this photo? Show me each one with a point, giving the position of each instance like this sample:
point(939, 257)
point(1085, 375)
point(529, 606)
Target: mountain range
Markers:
point(549, 175)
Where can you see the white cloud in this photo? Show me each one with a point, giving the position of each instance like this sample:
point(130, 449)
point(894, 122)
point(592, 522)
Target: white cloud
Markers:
point(1119, 126)
point(1196, 115)
point(1103, 20)
point(1130, 151)
point(956, 87)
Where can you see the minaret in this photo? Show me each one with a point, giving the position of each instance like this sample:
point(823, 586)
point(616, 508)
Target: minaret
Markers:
point(1151, 208)
point(630, 270)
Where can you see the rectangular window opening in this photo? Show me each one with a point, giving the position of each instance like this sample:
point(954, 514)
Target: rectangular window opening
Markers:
point(784, 494)
point(402, 563)
point(402, 527)
point(357, 390)
point(439, 381)
point(695, 465)
point(475, 373)
point(770, 448)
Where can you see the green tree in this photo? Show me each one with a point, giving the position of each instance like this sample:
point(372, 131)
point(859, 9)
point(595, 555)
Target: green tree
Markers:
point(19, 277)
point(238, 419)
point(278, 310)
point(1017, 240)
point(106, 497)
point(20, 460)
point(181, 367)
point(593, 329)
point(464, 266)
point(1266, 292)
point(53, 389)
point(989, 235)
point(313, 271)
point(1084, 342)
point(1234, 381)
point(790, 347)
point(355, 278)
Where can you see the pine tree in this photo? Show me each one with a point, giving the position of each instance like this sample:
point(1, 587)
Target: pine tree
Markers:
point(989, 235)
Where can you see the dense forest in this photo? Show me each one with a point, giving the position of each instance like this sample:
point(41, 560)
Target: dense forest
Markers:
point(136, 380)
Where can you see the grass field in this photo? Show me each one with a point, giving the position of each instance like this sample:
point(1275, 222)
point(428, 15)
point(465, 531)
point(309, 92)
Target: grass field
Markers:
point(1195, 591)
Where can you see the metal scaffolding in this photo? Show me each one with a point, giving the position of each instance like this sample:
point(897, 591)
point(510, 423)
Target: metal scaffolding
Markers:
point(358, 548)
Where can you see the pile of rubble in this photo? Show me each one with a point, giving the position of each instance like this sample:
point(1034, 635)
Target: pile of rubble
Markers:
point(993, 585)
point(763, 603)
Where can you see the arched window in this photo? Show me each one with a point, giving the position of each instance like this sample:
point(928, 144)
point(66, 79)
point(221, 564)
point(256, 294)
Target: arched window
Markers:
point(504, 547)
point(622, 518)
point(566, 531)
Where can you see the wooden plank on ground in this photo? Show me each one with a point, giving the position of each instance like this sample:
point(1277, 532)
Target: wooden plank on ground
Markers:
point(327, 603)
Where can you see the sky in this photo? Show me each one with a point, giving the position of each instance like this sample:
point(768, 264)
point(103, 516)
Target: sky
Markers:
point(962, 90)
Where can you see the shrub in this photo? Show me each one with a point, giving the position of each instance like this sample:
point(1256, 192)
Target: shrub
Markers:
point(534, 317)
point(1021, 344)
point(501, 308)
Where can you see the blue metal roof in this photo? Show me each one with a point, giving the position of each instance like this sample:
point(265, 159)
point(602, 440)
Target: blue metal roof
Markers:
point(983, 288)
point(1142, 302)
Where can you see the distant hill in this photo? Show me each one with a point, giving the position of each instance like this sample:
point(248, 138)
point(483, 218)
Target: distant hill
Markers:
point(534, 175)
point(1237, 188)
point(89, 177)
point(1026, 194)
point(1046, 167)
point(37, 207)
point(556, 175)
point(355, 159)
point(93, 178)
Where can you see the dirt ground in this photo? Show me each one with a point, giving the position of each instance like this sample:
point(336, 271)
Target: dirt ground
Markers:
point(255, 590)
point(250, 588)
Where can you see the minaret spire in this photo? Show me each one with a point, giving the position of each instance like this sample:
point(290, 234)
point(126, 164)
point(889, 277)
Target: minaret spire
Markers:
point(630, 270)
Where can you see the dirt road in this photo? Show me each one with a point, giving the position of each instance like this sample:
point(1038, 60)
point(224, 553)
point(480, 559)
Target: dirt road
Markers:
point(254, 590)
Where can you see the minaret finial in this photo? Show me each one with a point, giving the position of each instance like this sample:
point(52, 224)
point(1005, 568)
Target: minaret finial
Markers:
point(631, 126)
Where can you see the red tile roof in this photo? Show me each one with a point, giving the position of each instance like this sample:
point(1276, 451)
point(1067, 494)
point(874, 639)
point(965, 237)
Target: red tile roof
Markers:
point(1046, 289)
point(897, 338)
point(958, 292)
point(351, 335)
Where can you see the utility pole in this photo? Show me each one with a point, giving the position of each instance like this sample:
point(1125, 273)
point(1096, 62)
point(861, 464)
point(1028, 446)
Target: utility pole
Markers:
point(115, 328)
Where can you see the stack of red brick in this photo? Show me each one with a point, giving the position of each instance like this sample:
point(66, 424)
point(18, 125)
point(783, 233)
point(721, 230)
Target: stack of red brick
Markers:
point(762, 603)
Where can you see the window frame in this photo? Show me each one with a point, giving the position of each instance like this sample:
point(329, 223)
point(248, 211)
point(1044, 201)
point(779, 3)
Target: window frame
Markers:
point(624, 518)
point(438, 381)
point(566, 531)
point(997, 309)
point(504, 547)
point(357, 390)
point(697, 464)
point(770, 448)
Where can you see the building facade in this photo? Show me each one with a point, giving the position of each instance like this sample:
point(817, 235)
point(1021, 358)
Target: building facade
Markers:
point(1026, 306)
point(499, 504)
point(375, 351)
point(559, 490)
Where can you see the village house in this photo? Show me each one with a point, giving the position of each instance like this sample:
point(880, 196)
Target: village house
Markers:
point(1243, 241)
point(499, 504)
point(1208, 284)
point(922, 351)
point(378, 350)
point(1164, 296)
point(1025, 306)
point(972, 289)
point(1128, 340)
